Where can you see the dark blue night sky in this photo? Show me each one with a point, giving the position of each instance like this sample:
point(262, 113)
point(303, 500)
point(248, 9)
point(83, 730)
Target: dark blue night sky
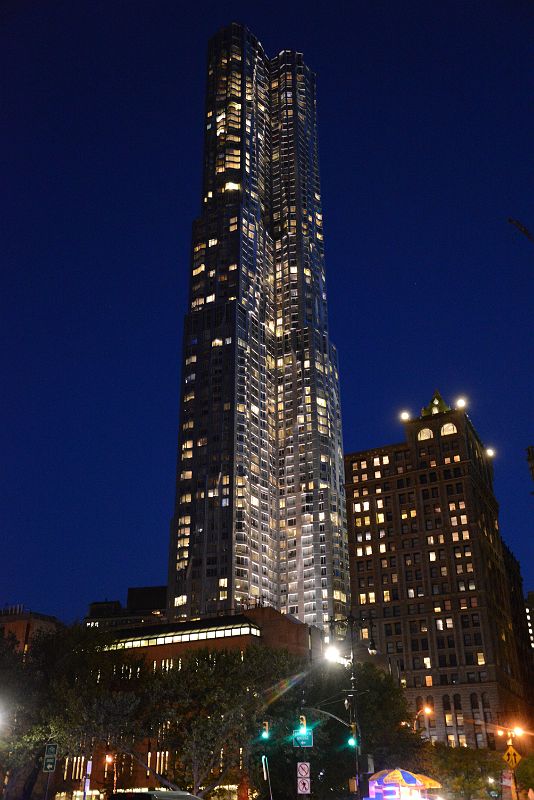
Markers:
point(426, 125)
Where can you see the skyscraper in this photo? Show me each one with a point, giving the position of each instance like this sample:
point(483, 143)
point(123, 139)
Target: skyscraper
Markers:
point(429, 567)
point(260, 509)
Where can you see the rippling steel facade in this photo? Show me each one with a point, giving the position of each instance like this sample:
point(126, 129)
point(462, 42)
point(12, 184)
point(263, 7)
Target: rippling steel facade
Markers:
point(260, 508)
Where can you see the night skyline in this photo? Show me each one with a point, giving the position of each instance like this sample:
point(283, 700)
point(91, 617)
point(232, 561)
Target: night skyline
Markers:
point(425, 120)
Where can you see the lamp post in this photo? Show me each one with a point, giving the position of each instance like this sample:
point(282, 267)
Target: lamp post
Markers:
point(349, 624)
point(511, 734)
point(426, 710)
point(111, 759)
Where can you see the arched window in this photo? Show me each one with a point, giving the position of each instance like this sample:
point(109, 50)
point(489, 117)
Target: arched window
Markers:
point(425, 433)
point(419, 703)
point(485, 700)
point(474, 700)
point(446, 702)
point(448, 429)
point(430, 701)
point(457, 700)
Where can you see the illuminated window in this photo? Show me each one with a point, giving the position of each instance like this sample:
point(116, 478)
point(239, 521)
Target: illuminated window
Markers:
point(448, 429)
point(425, 433)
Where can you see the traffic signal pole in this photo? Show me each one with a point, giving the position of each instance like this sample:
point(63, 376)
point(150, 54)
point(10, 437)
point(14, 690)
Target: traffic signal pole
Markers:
point(267, 774)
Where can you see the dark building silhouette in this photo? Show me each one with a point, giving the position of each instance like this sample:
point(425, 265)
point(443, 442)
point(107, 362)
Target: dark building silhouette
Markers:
point(144, 605)
point(429, 566)
point(260, 507)
point(530, 459)
point(529, 607)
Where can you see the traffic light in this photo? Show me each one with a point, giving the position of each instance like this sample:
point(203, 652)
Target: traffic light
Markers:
point(302, 724)
point(264, 729)
point(352, 741)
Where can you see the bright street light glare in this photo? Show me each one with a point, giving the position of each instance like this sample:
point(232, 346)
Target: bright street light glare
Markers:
point(405, 416)
point(518, 731)
point(427, 710)
point(332, 653)
point(461, 402)
point(490, 452)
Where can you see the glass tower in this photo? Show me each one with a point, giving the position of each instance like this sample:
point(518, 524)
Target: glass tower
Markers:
point(260, 507)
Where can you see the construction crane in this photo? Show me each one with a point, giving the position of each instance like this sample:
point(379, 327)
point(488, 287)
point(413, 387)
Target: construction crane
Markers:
point(521, 228)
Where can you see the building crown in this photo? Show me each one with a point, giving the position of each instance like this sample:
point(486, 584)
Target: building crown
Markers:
point(436, 406)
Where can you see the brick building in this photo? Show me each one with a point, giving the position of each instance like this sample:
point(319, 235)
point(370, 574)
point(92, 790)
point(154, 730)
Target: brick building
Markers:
point(162, 644)
point(428, 565)
point(24, 624)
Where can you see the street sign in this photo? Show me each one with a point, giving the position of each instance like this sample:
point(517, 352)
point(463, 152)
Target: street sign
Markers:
point(507, 777)
point(49, 760)
point(303, 786)
point(303, 769)
point(512, 757)
point(303, 738)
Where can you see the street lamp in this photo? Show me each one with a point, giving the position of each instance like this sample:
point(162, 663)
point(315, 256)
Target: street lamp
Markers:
point(424, 710)
point(349, 624)
point(109, 760)
point(511, 733)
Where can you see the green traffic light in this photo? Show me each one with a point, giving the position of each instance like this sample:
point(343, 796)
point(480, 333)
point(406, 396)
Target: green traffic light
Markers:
point(351, 742)
point(265, 734)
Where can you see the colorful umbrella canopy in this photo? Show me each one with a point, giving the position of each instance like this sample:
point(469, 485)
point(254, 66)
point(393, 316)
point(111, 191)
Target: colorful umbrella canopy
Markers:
point(428, 783)
point(397, 776)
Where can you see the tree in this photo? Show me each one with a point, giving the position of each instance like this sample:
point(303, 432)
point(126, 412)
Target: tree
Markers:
point(212, 710)
point(464, 771)
point(525, 773)
point(72, 690)
point(381, 710)
point(20, 695)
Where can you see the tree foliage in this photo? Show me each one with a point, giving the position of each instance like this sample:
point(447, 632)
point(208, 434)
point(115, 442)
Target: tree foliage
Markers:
point(525, 773)
point(381, 710)
point(68, 689)
point(213, 709)
point(207, 712)
point(464, 771)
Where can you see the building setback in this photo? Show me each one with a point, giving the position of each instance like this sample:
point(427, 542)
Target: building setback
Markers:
point(429, 566)
point(260, 507)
